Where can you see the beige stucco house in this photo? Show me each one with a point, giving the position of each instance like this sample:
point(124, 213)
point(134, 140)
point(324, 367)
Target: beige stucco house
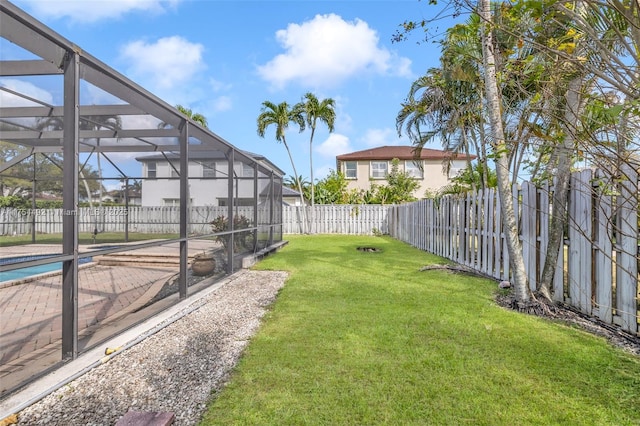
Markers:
point(362, 168)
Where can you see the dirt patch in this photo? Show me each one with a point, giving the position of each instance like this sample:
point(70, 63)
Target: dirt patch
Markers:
point(369, 249)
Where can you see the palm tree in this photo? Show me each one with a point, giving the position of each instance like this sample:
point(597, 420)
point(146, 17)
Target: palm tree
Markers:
point(294, 182)
point(314, 110)
point(281, 115)
point(500, 149)
point(97, 122)
point(197, 117)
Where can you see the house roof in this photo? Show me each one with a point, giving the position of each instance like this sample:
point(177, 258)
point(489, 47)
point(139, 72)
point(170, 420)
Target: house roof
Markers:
point(289, 192)
point(399, 152)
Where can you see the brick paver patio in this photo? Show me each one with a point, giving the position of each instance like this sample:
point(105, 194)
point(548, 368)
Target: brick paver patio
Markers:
point(30, 312)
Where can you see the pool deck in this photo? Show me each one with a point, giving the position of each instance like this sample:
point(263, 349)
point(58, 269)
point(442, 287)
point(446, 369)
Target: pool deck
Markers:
point(109, 297)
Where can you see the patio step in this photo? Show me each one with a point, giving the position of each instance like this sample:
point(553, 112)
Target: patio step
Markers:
point(133, 259)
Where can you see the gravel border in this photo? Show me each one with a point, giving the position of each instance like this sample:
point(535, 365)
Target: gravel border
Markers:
point(175, 370)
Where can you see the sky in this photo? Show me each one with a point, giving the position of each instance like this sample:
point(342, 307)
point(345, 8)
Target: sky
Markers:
point(222, 59)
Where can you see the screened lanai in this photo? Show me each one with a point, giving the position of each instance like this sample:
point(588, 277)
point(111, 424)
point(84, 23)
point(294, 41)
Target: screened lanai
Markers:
point(68, 126)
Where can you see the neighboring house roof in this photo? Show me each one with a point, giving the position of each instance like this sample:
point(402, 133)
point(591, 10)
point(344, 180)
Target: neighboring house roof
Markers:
point(208, 155)
point(399, 152)
point(289, 192)
point(286, 191)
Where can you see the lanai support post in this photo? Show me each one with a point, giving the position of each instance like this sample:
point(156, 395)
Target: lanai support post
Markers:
point(70, 145)
point(256, 200)
point(231, 202)
point(272, 192)
point(184, 209)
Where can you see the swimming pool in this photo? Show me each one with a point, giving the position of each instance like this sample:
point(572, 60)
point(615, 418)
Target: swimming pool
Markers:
point(22, 273)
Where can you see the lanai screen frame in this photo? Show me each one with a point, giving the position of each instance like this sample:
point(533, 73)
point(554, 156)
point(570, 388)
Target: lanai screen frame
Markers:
point(59, 56)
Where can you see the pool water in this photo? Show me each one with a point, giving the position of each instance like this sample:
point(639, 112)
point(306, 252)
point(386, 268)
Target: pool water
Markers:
point(18, 274)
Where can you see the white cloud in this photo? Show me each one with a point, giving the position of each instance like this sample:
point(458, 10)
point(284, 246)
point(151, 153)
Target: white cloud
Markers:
point(327, 50)
point(92, 11)
point(222, 103)
point(25, 88)
point(335, 144)
point(381, 137)
point(219, 86)
point(166, 67)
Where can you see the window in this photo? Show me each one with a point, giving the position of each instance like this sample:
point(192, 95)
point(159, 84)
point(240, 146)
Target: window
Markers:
point(172, 202)
point(209, 169)
point(351, 170)
point(414, 169)
point(238, 202)
point(454, 171)
point(378, 169)
point(151, 169)
point(175, 170)
point(247, 170)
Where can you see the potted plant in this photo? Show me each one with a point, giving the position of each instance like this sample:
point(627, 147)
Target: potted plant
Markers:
point(203, 264)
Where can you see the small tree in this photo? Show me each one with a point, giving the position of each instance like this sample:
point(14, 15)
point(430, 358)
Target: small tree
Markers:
point(332, 189)
point(399, 188)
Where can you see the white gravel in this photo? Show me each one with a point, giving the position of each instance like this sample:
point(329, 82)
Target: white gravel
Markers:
point(176, 369)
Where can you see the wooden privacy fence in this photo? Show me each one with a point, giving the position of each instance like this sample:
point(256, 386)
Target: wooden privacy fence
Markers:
point(329, 219)
point(161, 220)
point(597, 269)
point(336, 219)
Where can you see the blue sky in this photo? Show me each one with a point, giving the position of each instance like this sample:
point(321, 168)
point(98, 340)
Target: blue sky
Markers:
point(224, 58)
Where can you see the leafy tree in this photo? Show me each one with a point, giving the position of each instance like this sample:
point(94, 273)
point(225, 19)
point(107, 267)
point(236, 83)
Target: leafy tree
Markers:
point(332, 189)
point(280, 116)
point(399, 188)
point(547, 70)
point(14, 201)
point(56, 123)
point(469, 178)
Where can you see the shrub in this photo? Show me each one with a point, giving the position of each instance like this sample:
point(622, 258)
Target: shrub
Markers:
point(242, 240)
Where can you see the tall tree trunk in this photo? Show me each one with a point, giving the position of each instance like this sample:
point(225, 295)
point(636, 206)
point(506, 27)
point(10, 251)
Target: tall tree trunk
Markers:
point(573, 105)
point(572, 109)
point(313, 209)
point(520, 285)
point(295, 173)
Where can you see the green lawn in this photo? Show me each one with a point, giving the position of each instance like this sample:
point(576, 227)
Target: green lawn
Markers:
point(361, 338)
point(83, 238)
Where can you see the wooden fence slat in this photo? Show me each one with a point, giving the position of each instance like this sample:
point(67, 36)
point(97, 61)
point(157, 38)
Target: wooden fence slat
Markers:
point(603, 256)
point(627, 260)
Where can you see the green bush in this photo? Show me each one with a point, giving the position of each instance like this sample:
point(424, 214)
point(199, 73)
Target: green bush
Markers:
point(242, 240)
point(14, 201)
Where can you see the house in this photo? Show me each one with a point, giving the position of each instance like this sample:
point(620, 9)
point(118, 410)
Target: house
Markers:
point(134, 197)
point(290, 197)
point(208, 179)
point(362, 168)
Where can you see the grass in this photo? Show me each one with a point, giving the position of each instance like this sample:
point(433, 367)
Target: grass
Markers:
point(83, 238)
point(361, 338)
